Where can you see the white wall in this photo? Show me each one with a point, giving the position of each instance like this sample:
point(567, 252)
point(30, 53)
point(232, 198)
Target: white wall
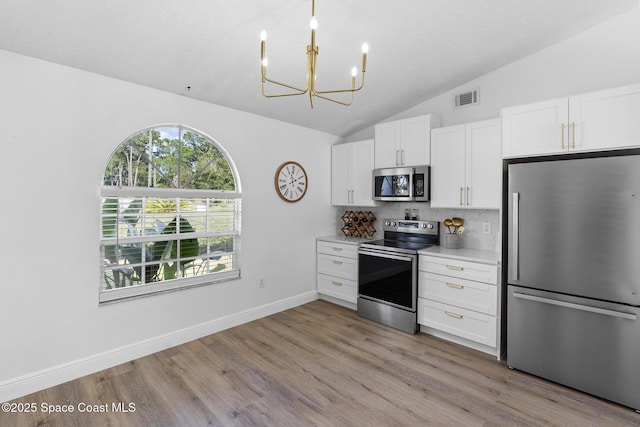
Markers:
point(601, 57)
point(59, 128)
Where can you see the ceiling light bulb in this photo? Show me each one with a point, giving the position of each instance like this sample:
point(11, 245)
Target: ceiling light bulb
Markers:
point(263, 35)
point(265, 62)
point(365, 48)
point(314, 23)
point(354, 71)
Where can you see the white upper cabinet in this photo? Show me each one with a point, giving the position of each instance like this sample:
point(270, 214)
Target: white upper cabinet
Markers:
point(404, 142)
point(534, 128)
point(387, 143)
point(466, 166)
point(605, 119)
point(602, 120)
point(448, 148)
point(484, 165)
point(351, 178)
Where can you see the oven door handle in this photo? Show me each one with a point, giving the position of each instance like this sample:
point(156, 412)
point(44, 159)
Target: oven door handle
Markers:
point(379, 254)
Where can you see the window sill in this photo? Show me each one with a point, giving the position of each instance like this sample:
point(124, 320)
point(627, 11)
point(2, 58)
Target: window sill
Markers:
point(137, 291)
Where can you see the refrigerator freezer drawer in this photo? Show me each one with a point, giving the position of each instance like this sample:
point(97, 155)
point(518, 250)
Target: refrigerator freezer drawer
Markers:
point(589, 345)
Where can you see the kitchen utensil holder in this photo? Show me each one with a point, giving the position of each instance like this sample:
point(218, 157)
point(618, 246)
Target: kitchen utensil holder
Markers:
point(452, 240)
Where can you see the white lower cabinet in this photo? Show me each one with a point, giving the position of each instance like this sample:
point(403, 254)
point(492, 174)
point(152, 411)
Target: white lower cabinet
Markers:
point(476, 296)
point(459, 298)
point(467, 324)
point(337, 266)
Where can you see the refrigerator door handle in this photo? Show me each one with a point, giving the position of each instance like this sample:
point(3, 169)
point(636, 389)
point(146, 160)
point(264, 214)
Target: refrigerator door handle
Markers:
point(515, 217)
point(565, 304)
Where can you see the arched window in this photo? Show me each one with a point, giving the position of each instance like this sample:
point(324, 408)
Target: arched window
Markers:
point(170, 212)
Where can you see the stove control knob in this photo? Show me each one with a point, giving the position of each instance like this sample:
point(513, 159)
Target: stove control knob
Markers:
point(429, 226)
point(393, 223)
point(387, 223)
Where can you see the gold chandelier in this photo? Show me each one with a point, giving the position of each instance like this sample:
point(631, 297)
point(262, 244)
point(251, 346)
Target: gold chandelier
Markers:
point(312, 58)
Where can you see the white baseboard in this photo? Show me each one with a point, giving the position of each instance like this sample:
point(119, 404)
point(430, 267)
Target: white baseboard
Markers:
point(30, 383)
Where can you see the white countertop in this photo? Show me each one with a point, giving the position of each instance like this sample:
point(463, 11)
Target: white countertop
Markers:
point(473, 255)
point(336, 238)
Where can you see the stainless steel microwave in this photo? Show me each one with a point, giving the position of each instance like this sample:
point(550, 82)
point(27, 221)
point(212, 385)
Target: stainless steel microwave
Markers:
point(402, 184)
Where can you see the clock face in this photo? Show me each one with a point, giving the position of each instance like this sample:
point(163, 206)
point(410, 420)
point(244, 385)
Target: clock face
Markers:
point(291, 181)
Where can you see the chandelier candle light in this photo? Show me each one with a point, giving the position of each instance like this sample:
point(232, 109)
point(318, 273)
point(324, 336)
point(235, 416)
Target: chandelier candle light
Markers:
point(312, 57)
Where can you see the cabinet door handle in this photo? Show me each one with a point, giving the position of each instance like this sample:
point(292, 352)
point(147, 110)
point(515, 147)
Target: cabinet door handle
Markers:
point(336, 283)
point(461, 194)
point(337, 249)
point(452, 314)
point(397, 153)
point(402, 157)
point(337, 262)
point(455, 285)
point(562, 131)
point(455, 267)
point(573, 135)
point(468, 197)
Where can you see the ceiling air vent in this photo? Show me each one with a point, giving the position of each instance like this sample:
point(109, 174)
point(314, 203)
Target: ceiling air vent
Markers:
point(466, 98)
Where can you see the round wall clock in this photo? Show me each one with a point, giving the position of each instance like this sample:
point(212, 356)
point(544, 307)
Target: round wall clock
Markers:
point(291, 181)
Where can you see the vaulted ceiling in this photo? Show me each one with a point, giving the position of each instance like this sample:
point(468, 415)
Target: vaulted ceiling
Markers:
point(210, 49)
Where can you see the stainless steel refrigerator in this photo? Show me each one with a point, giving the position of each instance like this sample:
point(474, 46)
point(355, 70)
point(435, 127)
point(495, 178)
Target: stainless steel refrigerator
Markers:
point(573, 271)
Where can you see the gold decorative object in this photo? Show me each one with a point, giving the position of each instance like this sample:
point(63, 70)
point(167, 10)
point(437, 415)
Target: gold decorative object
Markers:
point(312, 58)
point(453, 238)
point(358, 224)
point(456, 223)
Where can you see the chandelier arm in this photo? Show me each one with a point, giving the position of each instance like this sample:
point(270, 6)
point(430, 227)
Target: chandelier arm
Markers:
point(353, 88)
point(298, 90)
point(336, 100)
point(343, 90)
point(280, 95)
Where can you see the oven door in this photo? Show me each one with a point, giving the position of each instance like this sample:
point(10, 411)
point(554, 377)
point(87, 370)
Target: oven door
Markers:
point(388, 278)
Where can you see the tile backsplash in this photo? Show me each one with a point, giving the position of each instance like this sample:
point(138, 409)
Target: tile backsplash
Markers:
point(474, 221)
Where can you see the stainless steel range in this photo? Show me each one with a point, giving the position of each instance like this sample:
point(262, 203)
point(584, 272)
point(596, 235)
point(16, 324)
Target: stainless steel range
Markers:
point(388, 272)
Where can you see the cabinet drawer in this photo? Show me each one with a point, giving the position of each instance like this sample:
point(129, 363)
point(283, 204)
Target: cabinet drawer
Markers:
point(479, 272)
point(337, 287)
point(458, 321)
point(346, 268)
point(476, 296)
point(338, 249)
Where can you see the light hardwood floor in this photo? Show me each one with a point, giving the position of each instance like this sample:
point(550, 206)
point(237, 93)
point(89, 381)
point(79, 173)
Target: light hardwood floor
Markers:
point(319, 364)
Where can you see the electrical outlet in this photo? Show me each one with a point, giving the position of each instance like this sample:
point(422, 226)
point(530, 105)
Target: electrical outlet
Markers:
point(486, 227)
point(261, 282)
